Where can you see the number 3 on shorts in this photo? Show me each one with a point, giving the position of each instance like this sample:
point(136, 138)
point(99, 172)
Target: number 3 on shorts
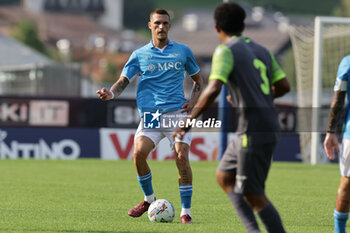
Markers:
point(265, 86)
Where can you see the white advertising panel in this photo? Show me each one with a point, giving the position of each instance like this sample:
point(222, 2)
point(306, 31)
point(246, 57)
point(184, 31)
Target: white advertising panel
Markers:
point(49, 113)
point(118, 144)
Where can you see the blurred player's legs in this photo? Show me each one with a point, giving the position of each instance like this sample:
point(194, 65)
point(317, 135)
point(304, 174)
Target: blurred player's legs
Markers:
point(242, 173)
point(142, 147)
point(185, 180)
point(244, 211)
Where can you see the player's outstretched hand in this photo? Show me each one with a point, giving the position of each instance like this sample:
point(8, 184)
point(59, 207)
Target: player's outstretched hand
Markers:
point(330, 144)
point(104, 94)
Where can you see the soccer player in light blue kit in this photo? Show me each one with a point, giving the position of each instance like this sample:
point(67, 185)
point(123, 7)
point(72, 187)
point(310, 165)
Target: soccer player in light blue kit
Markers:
point(341, 88)
point(160, 66)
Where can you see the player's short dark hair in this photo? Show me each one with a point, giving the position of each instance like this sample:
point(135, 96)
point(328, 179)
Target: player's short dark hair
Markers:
point(229, 17)
point(159, 11)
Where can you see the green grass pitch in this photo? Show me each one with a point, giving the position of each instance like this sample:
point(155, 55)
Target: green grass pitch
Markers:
point(95, 196)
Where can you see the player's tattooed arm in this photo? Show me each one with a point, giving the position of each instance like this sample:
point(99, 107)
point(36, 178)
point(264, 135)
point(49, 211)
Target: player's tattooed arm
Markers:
point(197, 87)
point(119, 86)
point(195, 93)
point(336, 111)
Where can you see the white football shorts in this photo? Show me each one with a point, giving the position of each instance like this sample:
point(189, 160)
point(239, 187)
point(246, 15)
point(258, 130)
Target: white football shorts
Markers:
point(166, 130)
point(344, 159)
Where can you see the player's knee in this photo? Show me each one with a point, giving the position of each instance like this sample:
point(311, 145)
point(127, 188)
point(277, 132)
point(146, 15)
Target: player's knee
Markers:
point(225, 180)
point(138, 155)
point(220, 178)
point(341, 189)
point(344, 187)
point(345, 181)
point(182, 157)
point(250, 199)
point(256, 201)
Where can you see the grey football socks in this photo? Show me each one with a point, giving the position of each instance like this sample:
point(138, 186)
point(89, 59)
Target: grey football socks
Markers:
point(271, 219)
point(244, 211)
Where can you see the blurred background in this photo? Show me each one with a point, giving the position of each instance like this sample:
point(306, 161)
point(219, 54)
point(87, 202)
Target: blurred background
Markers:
point(55, 54)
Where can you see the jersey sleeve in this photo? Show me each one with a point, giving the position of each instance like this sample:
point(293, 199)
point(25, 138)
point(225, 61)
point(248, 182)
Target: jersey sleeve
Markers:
point(222, 63)
point(191, 65)
point(131, 68)
point(343, 74)
point(277, 72)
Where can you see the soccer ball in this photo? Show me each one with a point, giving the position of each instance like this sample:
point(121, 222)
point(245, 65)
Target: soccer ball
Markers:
point(161, 210)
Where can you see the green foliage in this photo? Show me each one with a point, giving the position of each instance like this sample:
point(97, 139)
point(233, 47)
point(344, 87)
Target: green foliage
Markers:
point(26, 32)
point(95, 196)
point(110, 72)
point(343, 9)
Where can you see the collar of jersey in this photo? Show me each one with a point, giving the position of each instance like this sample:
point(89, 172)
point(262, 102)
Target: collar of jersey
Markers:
point(170, 43)
point(247, 40)
point(241, 37)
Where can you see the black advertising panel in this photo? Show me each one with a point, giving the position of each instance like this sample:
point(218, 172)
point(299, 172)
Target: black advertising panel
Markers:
point(14, 112)
point(94, 113)
point(123, 113)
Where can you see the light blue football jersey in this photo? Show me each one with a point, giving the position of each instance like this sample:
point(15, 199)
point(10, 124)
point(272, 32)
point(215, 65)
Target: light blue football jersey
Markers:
point(161, 75)
point(343, 75)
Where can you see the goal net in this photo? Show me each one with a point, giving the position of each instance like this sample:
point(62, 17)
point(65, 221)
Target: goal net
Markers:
point(317, 51)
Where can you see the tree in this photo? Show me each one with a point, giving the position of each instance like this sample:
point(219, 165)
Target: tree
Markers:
point(343, 9)
point(26, 32)
point(110, 72)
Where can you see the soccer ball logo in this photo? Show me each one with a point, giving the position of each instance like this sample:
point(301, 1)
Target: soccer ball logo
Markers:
point(161, 210)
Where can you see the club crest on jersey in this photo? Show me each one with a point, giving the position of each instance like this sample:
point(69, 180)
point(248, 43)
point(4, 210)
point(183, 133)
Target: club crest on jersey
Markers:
point(151, 67)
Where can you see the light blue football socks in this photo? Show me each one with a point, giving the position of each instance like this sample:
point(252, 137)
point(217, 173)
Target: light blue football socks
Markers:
point(145, 182)
point(340, 221)
point(186, 197)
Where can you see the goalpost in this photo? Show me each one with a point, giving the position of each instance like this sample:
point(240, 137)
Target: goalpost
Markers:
point(318, 52)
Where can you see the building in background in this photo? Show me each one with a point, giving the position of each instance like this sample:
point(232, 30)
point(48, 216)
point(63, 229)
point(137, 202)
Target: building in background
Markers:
point(25, 72)
point(88, 33)
point(91, 33)
point(108, 13)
